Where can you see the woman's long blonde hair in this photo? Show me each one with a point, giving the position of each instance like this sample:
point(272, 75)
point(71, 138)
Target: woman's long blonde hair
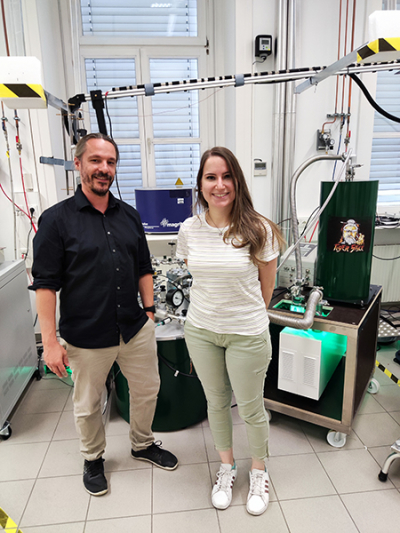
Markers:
point(247, 226)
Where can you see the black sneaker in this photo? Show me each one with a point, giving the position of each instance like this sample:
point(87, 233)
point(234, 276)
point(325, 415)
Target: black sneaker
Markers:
point(94, 479)
point(156, 455)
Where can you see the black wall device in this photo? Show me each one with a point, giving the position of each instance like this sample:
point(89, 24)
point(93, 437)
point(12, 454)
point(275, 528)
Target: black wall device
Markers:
point(263, 46)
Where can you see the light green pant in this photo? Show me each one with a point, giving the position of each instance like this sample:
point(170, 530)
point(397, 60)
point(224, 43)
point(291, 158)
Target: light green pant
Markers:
point(239, 363)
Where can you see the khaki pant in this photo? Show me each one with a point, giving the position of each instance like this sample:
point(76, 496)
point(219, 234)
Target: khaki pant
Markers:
point(239, 363)
point(138, 362)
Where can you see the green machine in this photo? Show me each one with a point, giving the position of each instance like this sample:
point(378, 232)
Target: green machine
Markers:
point(345, 241)
point(181, 402)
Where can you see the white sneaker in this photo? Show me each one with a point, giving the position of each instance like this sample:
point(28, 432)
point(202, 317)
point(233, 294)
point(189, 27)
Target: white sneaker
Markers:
point(221, 495)
point(258, 498)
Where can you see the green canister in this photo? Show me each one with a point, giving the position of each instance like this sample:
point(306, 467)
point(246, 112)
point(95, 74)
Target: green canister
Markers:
point(346, 239)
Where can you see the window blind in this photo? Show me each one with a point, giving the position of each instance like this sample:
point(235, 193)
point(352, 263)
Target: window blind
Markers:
point(104, 74)
point(175, 161)
point(385, 156)
point(139, 18)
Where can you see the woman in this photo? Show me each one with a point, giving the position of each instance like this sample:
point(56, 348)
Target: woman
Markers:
point(231, 252)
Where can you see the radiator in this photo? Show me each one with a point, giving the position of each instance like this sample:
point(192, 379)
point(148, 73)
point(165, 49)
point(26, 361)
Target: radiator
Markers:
point(387, 273)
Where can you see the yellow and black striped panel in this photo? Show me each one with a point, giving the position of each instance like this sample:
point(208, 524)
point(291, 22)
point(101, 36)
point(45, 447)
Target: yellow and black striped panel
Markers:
point(7, 523)
point(389, 374)
point(21, 90)
point(380, 45)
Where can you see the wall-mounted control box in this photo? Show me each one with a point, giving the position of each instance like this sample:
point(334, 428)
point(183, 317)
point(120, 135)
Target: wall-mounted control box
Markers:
point(263, 45)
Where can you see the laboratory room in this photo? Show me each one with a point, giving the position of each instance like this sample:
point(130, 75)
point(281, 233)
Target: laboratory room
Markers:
point(199, 241)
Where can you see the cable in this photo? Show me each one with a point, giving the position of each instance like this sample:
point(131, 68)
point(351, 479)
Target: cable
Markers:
point(111, 135)
point(372, 101)
point(386, 258)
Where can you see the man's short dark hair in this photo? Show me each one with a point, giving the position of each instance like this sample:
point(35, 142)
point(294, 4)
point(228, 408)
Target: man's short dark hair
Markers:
point(81, 146)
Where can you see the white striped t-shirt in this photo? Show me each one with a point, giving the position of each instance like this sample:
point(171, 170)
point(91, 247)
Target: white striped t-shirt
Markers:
point(226, 293)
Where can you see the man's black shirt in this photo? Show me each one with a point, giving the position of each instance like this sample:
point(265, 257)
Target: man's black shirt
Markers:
point(96, 260)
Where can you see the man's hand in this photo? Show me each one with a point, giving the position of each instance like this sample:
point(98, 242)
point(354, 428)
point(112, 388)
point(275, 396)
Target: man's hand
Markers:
point(55, 357)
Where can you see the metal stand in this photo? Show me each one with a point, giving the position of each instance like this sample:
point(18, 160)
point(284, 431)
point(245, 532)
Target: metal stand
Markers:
point(383, 474)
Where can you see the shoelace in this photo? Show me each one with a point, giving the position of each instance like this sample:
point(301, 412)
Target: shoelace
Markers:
point(257, 484)
point(95, 467)
point(224, 480)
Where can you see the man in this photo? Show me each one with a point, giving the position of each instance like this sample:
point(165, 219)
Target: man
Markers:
point(92, 247)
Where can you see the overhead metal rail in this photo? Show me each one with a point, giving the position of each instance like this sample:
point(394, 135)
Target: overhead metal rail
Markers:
point(238, 80)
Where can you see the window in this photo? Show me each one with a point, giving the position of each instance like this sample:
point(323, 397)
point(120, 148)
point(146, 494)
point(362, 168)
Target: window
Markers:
point(160, 137)
point(385, 155)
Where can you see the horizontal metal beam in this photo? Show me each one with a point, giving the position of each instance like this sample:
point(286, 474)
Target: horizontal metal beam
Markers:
point(246, 79)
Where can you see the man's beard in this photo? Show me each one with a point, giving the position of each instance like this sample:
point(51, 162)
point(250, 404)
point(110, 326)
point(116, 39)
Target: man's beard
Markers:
point(90, 183)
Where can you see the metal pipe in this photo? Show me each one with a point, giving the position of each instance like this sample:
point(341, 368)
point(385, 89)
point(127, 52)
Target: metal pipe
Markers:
point(294, 221)
point(290, 116)
point(306, 321)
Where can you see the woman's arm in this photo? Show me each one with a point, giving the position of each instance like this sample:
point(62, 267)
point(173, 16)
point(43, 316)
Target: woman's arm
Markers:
point(266, 275)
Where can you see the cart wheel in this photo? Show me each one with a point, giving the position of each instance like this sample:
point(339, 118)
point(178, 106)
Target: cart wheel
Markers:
point(5, 431)
point(336, 438)
point(382, 476)
point(373, 386)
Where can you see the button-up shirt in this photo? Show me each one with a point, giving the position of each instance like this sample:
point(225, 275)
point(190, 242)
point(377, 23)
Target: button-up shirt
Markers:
point(95, 260)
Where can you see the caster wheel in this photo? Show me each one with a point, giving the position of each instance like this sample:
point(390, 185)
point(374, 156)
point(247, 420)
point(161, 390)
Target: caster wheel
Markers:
point(5, 431)
point(336, 439)
point(382, 476)
point(373, 386)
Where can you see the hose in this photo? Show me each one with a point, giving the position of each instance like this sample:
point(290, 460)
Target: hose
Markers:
point(306, 321)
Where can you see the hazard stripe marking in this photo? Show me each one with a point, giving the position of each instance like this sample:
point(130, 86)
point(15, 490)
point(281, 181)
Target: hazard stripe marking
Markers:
point(388, 373)
point(7, 523)
point(380, 45)
point(21, 90)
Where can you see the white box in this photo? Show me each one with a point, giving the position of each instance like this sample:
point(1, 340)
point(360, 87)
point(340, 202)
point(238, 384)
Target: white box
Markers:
point(308, 359)
point(21, 85)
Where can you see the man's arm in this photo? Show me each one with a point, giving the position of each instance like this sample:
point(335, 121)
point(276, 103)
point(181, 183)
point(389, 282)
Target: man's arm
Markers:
point(54, 355)
point(147, 292)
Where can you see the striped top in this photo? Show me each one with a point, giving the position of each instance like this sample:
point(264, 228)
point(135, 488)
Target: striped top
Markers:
point(226, 293)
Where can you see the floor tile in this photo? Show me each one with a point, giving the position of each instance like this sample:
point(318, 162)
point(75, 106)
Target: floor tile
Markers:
point(376, 429)
point(63, 458)
point(396, 416)
point(21, 461)
point(202, 521)
point(44, 401)
point(188, 445)
point(77, 527)
point(186, 488)
point(380, 454)
point(374, 512)
point(237, 519)
point(129, 495)
point(56, 500)
point(14, 496)
point(287, 437)
point(299, 476)
point(389, 397)
point(352, 471)
point(32, 428)
point(138, 524)
point(66, 429)
point(370, 405)
point(317, 438)
point(314, 515)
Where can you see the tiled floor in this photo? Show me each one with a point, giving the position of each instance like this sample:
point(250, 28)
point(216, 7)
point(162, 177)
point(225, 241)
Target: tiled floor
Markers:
point(315, 488)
